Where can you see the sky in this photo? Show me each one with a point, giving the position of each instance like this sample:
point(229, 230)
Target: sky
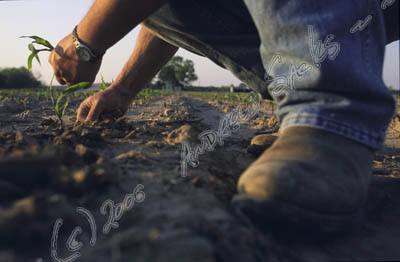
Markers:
point(54, 19)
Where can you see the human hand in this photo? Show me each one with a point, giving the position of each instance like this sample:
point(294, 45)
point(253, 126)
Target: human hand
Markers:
point(68, 69)
point(108, 102)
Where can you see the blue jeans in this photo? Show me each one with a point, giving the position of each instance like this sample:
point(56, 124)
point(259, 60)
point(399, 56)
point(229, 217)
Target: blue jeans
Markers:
point(343, 92)
point(321, 61)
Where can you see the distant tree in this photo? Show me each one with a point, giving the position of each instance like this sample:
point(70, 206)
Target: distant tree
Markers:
point(177, 71)
point(16, 78)
point(2, 80)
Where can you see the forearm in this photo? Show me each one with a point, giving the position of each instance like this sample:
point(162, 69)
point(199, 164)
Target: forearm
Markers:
point(149, 56)
point(108, 21)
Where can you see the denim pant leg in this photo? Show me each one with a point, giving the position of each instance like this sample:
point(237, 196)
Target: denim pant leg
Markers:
point(221, 30)
point(325, 62)
point(391, 10)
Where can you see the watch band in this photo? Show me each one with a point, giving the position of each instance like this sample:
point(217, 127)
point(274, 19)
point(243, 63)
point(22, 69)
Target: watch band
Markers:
point(78, 42)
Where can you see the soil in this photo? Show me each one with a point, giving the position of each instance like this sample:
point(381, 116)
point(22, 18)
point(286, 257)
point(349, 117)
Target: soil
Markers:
point(48, 174)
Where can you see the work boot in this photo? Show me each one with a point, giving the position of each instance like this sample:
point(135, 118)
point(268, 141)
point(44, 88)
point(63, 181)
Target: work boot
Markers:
point(309, 178)
point(260, 143)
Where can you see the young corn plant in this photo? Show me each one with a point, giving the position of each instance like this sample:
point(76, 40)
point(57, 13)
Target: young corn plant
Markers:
point(34, 52)
point(60, 100)
point(103, 84)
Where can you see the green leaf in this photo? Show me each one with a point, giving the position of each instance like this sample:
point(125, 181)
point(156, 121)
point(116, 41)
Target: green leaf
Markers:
point(57, 107)
point(30, 58)
point(51, 89)
point(37, 57)
point(31, 47)
point(64, 107)
point(40, 41)
point(74, 88)
point(103, 84)
point(34, 54)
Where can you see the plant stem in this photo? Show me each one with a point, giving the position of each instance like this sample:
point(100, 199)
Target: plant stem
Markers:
point(51, 90)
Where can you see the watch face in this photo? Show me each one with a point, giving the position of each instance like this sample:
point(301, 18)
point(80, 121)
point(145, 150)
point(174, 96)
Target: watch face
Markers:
point(83, 54)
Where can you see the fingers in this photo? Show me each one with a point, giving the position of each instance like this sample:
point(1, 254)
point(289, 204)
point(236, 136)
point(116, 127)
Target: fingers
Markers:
point(59, 78)
point(83, 112)
point(67, 67)
point(94, 112)
point(64, 77)
point(51, 57)
point(89, 110)
point(106, 102)
point(57, 71)
point(61, 81)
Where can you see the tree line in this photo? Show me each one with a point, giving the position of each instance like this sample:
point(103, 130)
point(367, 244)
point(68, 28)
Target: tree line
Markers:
point(18, 78)
point(177, 72)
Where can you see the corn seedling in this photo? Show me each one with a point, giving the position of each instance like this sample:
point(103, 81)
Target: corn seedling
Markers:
point(34, 52)
point(38, 95)
point(59, 107)
point(59, 100)
point(103, 84)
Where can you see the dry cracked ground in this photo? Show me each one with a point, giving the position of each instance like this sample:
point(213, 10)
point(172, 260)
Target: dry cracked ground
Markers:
point(63, 193)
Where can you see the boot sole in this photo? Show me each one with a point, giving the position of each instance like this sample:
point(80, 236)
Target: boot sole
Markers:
point(272, 215)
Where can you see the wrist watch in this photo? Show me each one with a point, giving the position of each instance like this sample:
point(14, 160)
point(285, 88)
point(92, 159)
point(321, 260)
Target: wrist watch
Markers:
point(83, 50)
